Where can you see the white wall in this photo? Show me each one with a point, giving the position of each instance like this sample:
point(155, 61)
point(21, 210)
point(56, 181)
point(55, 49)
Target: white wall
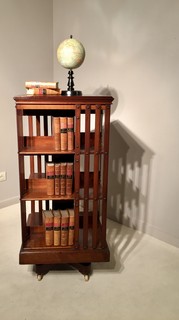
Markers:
point(132, 52)
point(26, 33)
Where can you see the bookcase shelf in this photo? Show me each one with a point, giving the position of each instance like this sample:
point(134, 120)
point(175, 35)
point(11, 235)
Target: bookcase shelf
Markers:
point(42, 151)
point(38, 195)
point(36, 147)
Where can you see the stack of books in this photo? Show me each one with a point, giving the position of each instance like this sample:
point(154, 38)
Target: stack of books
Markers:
point(59, 178)
point(63, 132)
point(42, 88)
point(59, 227)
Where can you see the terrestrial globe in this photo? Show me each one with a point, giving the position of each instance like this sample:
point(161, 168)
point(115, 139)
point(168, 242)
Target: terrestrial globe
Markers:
point(70, 54)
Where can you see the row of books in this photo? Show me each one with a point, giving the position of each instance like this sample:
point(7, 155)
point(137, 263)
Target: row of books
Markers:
point(42, 88)
point(59, 227)
point(63, 131)
point(59, 178)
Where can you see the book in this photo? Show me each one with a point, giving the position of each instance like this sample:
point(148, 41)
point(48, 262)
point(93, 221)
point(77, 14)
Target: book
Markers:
point(56, 132)
point(50, 176)
point(56, 227)
point(70, 133)
point(63, 167)
point(64, 227)
point(57, 179)
point(71, 227)
point(69, 178)
point(42, 91)
point(41, 84)
point(63, 133)
point(48, 224)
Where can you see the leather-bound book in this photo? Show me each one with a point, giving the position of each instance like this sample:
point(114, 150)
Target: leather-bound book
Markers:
point(70, 133)
point(71, 227)
point(63, 133)
point(48, 225)
point(64, 227)
point(56, 132)
point(63, 167)
point(69, 178)
point(56, 227)
point(57, 179)
point(50, 177)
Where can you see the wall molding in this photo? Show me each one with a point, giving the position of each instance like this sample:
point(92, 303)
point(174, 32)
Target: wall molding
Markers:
point(8, 202)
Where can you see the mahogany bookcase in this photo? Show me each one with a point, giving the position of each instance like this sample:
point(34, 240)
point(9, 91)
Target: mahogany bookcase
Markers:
point(89, 198)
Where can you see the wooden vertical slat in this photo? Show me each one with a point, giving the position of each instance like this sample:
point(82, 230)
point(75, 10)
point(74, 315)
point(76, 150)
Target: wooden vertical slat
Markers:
point(45, 126)
point(38, 125)
point(39, 165)
point(21, 173)
point(30, 122)
point(46, 156)
point(77, 173)
point(19, 115)
point(96, 177)
point(20, 146)
point(105, 173)
point(38, 134)
point(24, 230)
point(86, 176)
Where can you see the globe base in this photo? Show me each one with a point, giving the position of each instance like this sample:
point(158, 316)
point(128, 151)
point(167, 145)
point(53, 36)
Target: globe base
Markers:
point(70, 93)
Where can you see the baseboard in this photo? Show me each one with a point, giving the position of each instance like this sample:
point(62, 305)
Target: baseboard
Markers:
point(160, 235)
point(153, 231)
point(9, 202)
point(157, 233)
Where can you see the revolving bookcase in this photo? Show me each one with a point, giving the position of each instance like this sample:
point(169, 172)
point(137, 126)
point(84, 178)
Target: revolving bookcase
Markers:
point(91, 115)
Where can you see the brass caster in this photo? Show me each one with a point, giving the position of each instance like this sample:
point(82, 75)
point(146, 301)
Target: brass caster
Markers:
point(39, 277)
point(86, 277)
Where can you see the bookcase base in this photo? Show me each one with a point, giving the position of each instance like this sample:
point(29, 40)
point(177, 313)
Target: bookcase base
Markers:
point(68, 256)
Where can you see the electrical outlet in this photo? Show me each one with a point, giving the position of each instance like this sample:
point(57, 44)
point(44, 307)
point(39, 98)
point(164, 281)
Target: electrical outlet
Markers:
point(3, 176)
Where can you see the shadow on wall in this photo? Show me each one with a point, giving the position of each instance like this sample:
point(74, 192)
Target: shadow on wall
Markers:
point(129, 178)
point(129, 172)
point(128, 190)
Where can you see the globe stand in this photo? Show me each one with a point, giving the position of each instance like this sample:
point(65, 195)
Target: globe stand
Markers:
point(70, 86)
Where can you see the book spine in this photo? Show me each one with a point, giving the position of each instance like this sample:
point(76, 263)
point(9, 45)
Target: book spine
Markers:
point(64, 229)
point(71, 227)
point(41, 84)
point(69, 179)
point(70, 133)
point(52, 91)
point(48, 223)
point(57, 227)
point(63, 133)
point(56, 132)
point(63, 167)
point(50, 175)
point(42, 91)
point(57, 179)
point(36, 91)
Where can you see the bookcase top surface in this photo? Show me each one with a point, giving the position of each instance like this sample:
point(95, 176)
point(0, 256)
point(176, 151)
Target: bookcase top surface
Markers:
point(59, 99)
